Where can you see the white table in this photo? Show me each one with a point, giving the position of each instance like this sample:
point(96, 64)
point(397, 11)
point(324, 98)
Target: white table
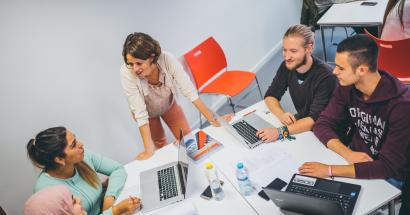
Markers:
point(233, 202)
point(352, 14)
point(306, 147)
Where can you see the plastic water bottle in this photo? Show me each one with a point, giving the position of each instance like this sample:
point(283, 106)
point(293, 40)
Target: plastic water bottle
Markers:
point(245, 185)
point(214, 182)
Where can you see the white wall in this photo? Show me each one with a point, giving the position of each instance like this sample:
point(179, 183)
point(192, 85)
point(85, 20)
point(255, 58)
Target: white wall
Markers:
point(59, 65)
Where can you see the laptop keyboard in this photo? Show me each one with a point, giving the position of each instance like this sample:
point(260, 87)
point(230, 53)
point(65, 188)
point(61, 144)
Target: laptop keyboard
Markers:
point(344, 200)
point(246, 131)
point(167, 183)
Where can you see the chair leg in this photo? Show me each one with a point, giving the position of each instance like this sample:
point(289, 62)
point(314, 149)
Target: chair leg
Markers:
point(200, 120)
point(232, 105)
point(200, 116)
point(331, 37)
point(259, 87)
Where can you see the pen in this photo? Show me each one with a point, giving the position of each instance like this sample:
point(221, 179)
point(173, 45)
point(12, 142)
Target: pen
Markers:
point(246, 114)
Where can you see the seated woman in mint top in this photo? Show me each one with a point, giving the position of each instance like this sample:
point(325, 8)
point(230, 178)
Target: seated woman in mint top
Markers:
point(150, 78)
point(65, 162)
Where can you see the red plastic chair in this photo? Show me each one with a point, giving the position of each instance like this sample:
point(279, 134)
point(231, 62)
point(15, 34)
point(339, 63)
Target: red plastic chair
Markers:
point(206, 61)
point(394, 57)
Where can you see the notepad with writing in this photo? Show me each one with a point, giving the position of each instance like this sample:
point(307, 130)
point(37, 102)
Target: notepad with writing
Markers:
point(203, 146)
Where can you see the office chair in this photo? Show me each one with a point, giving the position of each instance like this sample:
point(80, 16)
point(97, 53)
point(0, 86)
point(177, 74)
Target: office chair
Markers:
point(393, 57)
point(208, 66)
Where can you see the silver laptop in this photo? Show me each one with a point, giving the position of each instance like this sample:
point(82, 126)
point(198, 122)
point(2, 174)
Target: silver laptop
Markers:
point(244, 129)
point(166, 184)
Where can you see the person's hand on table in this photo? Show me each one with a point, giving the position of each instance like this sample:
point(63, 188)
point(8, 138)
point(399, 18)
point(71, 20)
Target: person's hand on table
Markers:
point(314, 169)
point(287, 118)
point(126, 206)
point(228, 117)
point(267, 134)
point(356, 157)
point(215, 122)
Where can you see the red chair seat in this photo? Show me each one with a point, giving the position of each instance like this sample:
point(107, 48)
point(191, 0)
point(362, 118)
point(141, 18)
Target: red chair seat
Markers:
point(230, 83)
point(393, 57)
point(207, 62)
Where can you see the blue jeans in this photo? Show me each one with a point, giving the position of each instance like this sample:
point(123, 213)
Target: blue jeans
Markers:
point(398, 184)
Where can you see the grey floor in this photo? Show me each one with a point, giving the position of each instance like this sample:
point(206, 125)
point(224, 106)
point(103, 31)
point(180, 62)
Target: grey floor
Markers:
point(266, 74)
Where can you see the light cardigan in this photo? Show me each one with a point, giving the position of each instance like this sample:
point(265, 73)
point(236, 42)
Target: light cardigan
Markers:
point(175, 77)
point(392, 29)
point(91, 198)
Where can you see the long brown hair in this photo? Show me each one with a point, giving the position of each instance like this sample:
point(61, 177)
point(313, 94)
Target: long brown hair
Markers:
point(390, 6)
point(49, 144)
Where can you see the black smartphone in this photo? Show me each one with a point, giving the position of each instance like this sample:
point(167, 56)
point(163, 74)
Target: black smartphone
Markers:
point(368, 3)
point(276, 184)
point(207, 194)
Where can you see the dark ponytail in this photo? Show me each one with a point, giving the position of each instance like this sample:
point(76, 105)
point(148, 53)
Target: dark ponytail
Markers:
point(49, 144)
point(45, 146)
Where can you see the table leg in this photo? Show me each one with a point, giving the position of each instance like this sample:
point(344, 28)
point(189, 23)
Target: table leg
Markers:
point(391, 207)
point(323, 44)
point(379, 31)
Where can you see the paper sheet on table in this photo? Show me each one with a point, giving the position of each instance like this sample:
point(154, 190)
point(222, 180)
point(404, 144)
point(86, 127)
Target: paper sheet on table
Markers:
point(266, 165)
point(185, 207)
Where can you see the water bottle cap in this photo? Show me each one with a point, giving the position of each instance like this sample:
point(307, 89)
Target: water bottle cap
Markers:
point(209, 166)
point(239, 165)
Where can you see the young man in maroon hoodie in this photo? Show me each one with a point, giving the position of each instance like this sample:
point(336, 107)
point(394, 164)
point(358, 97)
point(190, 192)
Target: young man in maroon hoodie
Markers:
point(367, 120)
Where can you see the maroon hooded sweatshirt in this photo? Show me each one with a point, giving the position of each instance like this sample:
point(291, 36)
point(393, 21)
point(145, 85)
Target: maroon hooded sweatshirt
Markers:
point(379, 126)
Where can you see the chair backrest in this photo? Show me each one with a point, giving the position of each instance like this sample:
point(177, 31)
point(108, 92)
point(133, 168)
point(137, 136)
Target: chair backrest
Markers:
point(205, 60)
point(393, 56)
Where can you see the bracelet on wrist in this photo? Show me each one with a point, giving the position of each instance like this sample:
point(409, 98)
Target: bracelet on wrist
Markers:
point(330, 172)
point(283, 133)
point(280, 133)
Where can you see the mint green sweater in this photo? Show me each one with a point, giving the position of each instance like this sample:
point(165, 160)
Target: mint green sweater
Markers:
point(91, 198)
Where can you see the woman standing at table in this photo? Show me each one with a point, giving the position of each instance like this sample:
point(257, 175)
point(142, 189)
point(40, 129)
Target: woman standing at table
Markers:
point(396, 20)
point(150, 78)
point(64, 161)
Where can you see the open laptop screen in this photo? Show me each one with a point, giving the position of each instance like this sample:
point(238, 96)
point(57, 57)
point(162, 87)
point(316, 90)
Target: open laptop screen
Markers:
point(182, 162)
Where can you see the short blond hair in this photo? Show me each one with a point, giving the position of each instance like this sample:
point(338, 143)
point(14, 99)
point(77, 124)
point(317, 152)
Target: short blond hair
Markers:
point(302, 31)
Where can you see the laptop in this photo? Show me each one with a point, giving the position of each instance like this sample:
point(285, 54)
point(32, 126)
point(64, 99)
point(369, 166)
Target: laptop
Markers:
point(166, 184)
point(311, 195)
point(244, 129)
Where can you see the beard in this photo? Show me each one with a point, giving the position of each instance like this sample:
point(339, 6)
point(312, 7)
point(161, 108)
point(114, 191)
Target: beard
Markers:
point(297, 66)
